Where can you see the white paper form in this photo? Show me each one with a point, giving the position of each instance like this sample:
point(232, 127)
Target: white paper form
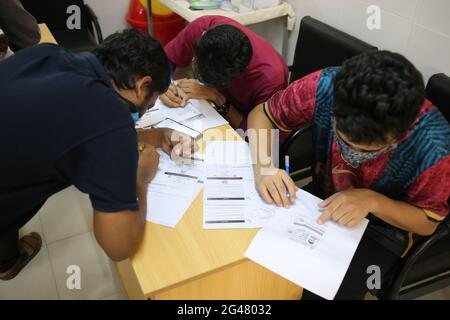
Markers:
point(230, 199)
point(257, 212)
point(150, 118)
point(293, 245)
point(173, 189)
point(179, 114)
point(180, 127)
point(208, 119)
point(197, 115)
point(224, 198)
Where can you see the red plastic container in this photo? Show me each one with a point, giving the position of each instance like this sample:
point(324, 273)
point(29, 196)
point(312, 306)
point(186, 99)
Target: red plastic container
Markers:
point(165, 27)
point(137, 16)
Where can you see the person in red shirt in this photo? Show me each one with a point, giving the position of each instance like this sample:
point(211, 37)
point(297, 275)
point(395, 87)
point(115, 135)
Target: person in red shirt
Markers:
point(235, 69)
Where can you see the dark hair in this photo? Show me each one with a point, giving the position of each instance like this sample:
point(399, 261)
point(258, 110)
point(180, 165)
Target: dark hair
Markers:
point(377, 94)
point(222, 54)
point(129, 54)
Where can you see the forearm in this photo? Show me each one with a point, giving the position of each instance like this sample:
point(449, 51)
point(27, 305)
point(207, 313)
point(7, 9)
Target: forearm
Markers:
point(260, 138)
point(142, 201)
point(234, 117)
point(151, 136)
point(403, 215)
point(20, 26)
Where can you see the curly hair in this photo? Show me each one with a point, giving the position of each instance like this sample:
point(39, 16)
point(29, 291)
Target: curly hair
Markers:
point(376, 95)
point(130, 54)
point(222, 54)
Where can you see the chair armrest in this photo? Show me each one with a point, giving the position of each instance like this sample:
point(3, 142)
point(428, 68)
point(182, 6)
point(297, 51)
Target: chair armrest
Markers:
point(294, 136)
point(93, 17)
point(442, 231)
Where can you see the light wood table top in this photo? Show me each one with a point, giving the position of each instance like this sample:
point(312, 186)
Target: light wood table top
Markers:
point(46, 35)
point(168, 257)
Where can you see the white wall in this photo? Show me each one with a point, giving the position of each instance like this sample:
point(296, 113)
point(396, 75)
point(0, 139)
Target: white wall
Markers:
point(419, 29)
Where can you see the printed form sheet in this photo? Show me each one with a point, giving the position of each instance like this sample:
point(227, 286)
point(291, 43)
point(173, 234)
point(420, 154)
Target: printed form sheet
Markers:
point(173, 189)
point(293, 245)
point(230, 199)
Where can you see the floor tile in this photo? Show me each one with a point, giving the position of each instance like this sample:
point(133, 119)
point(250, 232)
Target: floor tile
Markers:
point(65, 214)
point(97, 277)
point(35, 282)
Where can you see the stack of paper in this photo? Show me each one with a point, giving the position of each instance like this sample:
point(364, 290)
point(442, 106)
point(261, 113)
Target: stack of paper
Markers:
point(196, 117)
point(293, 245)
point(173, 189)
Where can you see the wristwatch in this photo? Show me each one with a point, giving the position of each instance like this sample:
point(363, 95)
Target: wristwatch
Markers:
point(223, 109)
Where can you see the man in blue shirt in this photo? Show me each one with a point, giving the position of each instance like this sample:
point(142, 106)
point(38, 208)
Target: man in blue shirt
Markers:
point(65, 120)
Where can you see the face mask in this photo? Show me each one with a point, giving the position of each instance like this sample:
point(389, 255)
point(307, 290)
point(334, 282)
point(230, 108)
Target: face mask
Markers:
point(354, 157)
point(135, 116)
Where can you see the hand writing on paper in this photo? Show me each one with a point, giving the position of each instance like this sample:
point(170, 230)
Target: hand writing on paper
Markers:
point(348, 207)
point(174, 97)
point(276, 187)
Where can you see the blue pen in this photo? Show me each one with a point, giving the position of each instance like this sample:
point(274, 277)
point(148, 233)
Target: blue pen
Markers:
point(286, 163)
point(286, 167)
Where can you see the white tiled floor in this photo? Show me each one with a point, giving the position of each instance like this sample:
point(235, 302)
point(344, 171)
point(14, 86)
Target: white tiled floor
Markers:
point(65, 223)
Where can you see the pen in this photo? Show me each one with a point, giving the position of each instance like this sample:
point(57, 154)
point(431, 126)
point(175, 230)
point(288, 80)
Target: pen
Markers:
point(194, 158)
point(176, 88)
point(286, 163)
point(287, 168)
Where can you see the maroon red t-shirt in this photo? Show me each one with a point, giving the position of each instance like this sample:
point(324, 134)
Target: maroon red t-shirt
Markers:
point(266, 73)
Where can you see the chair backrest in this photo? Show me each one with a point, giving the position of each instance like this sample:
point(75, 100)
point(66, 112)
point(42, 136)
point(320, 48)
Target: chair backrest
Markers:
point(320, 45)
point(438, 92)
point(54, 12)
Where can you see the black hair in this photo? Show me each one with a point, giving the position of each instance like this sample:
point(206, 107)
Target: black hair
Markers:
point(377, 94)
point(222, 54)
point(130, 54)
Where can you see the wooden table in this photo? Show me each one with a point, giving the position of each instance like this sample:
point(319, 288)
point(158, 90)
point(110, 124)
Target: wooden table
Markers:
point(189, 262)
point(46, 35)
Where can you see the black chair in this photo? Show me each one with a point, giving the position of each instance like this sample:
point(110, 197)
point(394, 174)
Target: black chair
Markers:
point(54, 14)
point(318, 46)
point(426, 268)
point(438, 92)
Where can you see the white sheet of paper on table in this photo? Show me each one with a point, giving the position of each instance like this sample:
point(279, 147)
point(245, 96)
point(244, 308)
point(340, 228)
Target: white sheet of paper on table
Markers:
point(180, 127)
point(150, 118)
point(230, 199)
point(173, 189)
point(293, 245)
point(233, 152)
point(199, 115)
point(224, 198)
point(178, 114)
